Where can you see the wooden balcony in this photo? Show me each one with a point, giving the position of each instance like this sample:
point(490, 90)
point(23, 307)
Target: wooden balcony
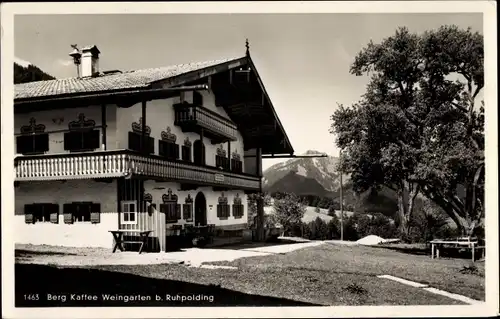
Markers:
point(125, 163)
point(191, 118)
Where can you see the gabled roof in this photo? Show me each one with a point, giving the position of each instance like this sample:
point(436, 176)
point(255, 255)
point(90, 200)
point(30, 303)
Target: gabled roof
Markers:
point(259, 126)
point(134, 79)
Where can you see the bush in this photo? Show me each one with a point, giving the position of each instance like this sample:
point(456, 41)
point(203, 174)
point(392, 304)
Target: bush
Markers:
point(289, 212)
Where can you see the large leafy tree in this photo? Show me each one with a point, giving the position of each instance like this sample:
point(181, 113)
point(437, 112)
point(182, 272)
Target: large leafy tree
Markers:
point(416, 129)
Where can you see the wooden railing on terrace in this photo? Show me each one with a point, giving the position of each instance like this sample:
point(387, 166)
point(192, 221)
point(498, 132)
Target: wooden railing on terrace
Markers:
point(121, 163)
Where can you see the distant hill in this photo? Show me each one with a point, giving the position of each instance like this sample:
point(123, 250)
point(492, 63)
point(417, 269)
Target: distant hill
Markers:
point(25, 72)
point(319, 177)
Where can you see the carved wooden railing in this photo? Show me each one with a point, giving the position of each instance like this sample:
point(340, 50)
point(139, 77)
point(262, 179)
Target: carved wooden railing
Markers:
point(125, 163)
point(188, 114)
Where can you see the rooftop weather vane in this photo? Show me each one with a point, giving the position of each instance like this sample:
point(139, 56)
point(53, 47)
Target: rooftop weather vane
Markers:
point(247, 46)
point(76, 55)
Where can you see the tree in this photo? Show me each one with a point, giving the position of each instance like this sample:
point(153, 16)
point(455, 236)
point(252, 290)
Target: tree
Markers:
point(428, 221)
point(252, 205)
point(30, 73)
point(289, 211)
point(413, 129)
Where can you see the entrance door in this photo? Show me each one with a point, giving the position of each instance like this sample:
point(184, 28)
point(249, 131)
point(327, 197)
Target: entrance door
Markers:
point(200, 210)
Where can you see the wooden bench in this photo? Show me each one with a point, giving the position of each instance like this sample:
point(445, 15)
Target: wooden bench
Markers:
point(459, 243)
point(119, 241)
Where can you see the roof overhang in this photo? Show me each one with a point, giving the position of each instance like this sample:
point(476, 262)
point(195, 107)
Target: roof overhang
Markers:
point(253, 113)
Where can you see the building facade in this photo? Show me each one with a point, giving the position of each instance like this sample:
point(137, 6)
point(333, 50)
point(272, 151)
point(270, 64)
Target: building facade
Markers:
point(150, 149)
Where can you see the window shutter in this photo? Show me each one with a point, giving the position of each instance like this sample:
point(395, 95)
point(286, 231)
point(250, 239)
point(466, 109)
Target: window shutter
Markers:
point(91, 140)
point(134, 141)
point(95, 213)
point(228, 210)
point(219, 210)
point(54, 213)
point(161, 148)
point(178, 211)
point(28, 214)
point(41, 142)
point(176, 148)
point(24, 144)
point(150, 146)
point(68, 213)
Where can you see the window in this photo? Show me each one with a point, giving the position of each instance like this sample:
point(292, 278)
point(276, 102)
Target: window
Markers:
point(129, 212)
point(168, 150)
point(238, 210)
point(221, 161)
point(186, 153)
point(81, 212)
point(170, 208)
point(41, 213)
point(82, 140)
point(135, 142)
point(187, 209)
point(172, 212)
point(32, 144)
point(223, 208)
point(236, 166)
point(198, 153)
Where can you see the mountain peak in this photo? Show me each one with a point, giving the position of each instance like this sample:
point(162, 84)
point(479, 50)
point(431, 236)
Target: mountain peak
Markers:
point(311, 152)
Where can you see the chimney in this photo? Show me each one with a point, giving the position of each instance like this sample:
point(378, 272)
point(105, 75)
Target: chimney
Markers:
point(90, 61)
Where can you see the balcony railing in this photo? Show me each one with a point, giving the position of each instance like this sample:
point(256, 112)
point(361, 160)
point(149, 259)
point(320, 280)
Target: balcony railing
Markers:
point(125, 163)
point(191, 118)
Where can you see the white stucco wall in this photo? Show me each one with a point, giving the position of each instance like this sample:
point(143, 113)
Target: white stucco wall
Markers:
point(79, 234)
point(157, 189)
point(56, 128)
point(160, 114)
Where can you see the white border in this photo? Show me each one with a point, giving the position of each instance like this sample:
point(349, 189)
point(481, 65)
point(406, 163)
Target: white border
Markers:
point(488, 8)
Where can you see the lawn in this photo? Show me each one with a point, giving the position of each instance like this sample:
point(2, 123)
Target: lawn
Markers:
point(323, 275)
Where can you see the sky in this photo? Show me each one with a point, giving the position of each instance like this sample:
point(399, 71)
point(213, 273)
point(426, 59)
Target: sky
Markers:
point(303, 59)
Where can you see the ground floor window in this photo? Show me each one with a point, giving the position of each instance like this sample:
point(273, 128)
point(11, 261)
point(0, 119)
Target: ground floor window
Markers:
point(81, 212)
point(238, 210)
point(172, 212)
point(41, 213)
point(129, 212)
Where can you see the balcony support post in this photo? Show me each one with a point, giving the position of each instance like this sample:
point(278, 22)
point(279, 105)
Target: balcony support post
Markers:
point(260, 199)
point(103, 129)
point(229, 153)
point(143, 128)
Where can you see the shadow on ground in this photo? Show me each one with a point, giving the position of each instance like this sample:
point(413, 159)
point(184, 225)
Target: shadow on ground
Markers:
point(27, 253)
point(249, 245)
point(43, 280)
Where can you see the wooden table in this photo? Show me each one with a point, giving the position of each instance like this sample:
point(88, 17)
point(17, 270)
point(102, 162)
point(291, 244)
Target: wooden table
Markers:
point(119, 241)
point(438, 243)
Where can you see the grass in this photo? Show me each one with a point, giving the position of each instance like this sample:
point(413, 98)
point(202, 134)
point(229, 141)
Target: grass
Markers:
point(322, 275)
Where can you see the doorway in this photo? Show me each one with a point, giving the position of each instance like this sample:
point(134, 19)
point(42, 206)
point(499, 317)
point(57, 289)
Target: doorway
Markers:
point(200, 210)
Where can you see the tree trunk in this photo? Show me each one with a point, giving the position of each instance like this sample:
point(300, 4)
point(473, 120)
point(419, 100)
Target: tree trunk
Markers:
point(407, 193)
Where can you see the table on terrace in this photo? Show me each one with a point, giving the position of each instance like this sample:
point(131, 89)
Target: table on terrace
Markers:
point(119, 240)
point(458, 243)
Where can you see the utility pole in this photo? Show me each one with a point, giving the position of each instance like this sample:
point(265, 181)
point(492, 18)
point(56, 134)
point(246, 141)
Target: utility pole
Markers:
point(341, 200)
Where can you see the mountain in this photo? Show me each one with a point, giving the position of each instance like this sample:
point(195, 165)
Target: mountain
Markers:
point(25, 72)
point(319, 177)
point(322, 169)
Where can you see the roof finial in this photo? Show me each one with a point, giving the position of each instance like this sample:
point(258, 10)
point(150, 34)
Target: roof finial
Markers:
point(248, 47)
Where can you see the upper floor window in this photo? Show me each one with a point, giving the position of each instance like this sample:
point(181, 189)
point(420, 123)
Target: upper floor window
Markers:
point(198, 153)
point(33, 139)
point(167, 146)
point(82, 135)
point(136, 141)
point(186, 150)
point(236, 163)
point(221, 161)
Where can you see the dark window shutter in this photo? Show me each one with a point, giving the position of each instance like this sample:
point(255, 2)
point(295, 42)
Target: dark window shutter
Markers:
point(95, 213)
point(28, 214)
point(68, 213)
point(219, 211)
point(187, 208)
point(24, 144)
point(178, 211)
point(176, 149)
point(161, 148)
point(67, 141)
point(41, 142)
point(54, 213)
point(134, 141)
point(150, 145)
point(91, 139)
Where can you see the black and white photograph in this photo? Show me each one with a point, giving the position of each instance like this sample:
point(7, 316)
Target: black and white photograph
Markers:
point(204, 157)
